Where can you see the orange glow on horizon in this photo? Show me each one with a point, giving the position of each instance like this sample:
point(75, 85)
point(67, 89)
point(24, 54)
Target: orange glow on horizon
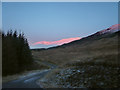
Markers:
point(59, 42)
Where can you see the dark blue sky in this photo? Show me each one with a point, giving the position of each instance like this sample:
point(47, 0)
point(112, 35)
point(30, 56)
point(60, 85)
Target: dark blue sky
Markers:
point(55, 21)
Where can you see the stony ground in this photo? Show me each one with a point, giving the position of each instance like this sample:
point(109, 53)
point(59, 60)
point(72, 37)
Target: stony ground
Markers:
point(85, 76)
point(89, 76)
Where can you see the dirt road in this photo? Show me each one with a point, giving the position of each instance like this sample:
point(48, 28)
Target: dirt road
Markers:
point(28, 81)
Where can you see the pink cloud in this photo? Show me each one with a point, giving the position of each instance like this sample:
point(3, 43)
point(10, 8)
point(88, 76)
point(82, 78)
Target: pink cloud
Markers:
point(59, 42)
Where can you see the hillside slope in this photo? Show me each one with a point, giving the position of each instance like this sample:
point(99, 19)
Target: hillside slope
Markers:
point(91, 48)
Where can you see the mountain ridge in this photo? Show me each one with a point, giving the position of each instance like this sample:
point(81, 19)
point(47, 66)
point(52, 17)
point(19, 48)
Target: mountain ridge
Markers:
point(99, 34)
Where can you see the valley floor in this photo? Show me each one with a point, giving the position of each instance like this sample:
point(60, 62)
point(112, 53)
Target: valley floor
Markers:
point(77, 75)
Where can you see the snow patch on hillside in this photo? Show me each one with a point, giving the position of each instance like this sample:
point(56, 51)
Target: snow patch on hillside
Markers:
point(112, 29)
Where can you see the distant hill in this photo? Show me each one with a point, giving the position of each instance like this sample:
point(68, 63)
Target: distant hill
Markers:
point(102, 45)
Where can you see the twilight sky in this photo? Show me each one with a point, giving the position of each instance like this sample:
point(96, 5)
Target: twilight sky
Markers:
point(48, 24)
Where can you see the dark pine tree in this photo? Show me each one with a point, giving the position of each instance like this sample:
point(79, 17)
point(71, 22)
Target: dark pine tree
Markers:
point(16, 55)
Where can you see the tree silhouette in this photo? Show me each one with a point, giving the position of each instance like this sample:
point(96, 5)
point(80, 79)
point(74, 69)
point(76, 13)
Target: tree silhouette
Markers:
point(16, 54)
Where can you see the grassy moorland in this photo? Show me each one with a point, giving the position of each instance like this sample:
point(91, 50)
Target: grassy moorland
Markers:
point(101, 50)
point(86, 63)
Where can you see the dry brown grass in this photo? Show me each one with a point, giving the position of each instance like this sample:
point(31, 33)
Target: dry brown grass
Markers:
point(103, 50)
